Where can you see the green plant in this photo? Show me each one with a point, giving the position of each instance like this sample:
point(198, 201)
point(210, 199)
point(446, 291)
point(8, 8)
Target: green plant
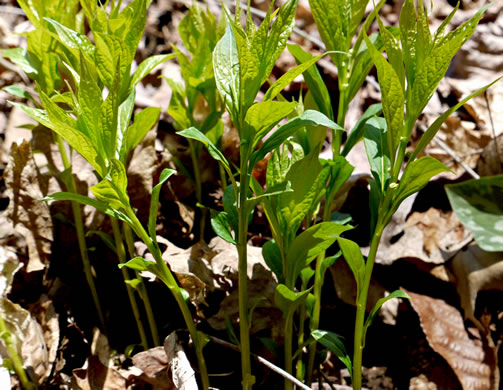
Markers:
point(100, 130)
point(196, 102)
point(408, 79)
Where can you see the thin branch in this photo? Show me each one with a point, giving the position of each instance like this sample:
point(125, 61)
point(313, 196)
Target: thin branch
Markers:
point(263, 361)
point(451, 153)
point(496, 146)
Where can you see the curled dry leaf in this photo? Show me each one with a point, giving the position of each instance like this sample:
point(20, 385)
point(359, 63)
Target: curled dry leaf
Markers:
point(445, 331)
point(155, 367)
point(433, 237)
point(476, 270)
point(182, 373)
point(30, 217)
point(97, 376)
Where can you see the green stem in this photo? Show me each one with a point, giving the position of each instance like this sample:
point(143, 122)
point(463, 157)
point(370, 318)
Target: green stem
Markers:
point(79, 227)
point(121, 255)
point(198, 187)
point(360, 310)
point(143, 292)
point(244, 328)
point(169, 280)
point(300, 339)
point(14, 357)
point(288, 332)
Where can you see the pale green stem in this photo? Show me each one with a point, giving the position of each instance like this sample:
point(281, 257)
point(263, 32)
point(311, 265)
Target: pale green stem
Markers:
point(244, 328)
point(79, 227)
point(288, 332)
point(169, 280)
point(121, 255)
point(14, 357)
point(144, 294)
point(198, 187)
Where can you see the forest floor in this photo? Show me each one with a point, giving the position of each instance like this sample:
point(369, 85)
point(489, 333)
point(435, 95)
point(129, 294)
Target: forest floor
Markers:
point(429, 342)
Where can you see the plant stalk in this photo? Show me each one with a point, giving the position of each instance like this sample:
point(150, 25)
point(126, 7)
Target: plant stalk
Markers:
point(288, 334)
point(121, 255)
point(169, 280)
point(244, 328)
point(79, 227)
point(16, 360)
point(198, 187)
point(142, 289)
point(360, 310)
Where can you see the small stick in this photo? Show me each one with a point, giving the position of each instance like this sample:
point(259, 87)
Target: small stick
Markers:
point(265, 362)
point(451, 153)
point(496, 147)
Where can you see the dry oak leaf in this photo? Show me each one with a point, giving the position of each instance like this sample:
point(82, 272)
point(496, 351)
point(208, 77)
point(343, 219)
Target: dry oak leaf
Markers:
point(30, 217)
point(445, 331)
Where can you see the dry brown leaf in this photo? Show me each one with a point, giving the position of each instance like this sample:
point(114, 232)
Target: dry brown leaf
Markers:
point(45, 314)
point(155, 366)
point(30, 217)
point(491, 159)
point(97, 376)
point(476, 270)
point(446, 334)
point(140, 173)
point(433, 237)
point(182, 373)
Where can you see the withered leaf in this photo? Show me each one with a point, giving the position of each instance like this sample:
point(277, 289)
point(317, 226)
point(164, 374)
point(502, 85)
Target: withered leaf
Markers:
point(445, 331)
point(97, 376)
point(30, 217)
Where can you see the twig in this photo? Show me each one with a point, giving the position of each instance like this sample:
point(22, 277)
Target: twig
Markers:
point(451, 153)
point(496, 147)
point(327, 380)
point(265, 362)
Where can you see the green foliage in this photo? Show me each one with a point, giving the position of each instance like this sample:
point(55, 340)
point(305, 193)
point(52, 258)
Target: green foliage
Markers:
point(478, 205)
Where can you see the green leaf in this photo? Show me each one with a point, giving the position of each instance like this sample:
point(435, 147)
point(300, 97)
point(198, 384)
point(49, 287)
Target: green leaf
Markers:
point(272, 257)
point(356, 134)
point(314, 81)
point(437, 62)
point(262, 117)
point(140, 264)
point(333, 342)
point(109, 115)
point(340, 171)
point(435, 126)
point(287, 300)
point(408, 36)
point(309, 117)
point(193, 133)
point(353, 255)
point(227, 71)
point(377, 150)
point(221, 226)
point(309, 244)
point(18, 91)
point(136, 16)
point(154, 202)
point(85, 200)
point(19, 57)
point(289, 76)
point(73, 40)
point(146, 66)
point(393, 98)
point(416, 176)
point(393, 51)
point(143, 122)
point(478, 204)
point(378, 305)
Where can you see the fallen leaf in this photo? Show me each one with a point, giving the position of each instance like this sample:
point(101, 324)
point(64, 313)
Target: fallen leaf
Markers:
point(30, 217)
point(182, 373)
point(476, 270)
point(446, 334)
point(155, 366)
point(491, 159)
point(97, 376)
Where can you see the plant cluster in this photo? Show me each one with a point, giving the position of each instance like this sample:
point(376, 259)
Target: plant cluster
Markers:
point(86, 91)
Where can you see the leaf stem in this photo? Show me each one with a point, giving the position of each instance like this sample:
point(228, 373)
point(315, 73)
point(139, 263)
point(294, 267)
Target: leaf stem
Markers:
point(244, 328)
point(169, 280)
point(142, 289)
point(121, 255)
point(79, 227)
point(198, 187)
point(288, 336)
